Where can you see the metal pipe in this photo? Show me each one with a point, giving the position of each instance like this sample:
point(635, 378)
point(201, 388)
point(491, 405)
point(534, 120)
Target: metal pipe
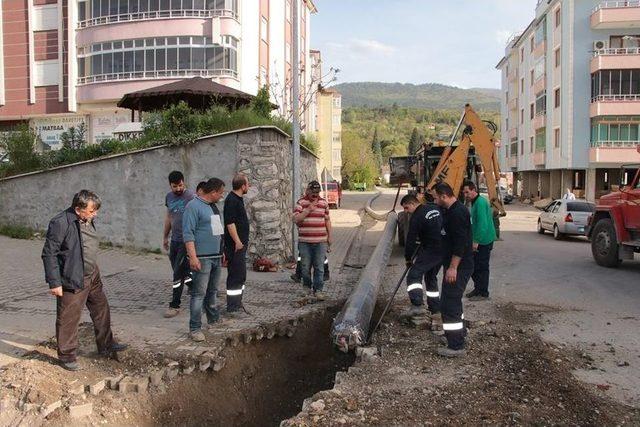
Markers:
point(351, 327)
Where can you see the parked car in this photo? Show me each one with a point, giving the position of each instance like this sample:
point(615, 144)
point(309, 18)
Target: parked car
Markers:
point(565, 217)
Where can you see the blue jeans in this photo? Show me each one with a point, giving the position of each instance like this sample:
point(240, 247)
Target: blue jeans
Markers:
point(203, 292)
point(312, 255)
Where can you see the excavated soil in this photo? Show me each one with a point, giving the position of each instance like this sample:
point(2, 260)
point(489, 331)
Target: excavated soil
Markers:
point(508, 377)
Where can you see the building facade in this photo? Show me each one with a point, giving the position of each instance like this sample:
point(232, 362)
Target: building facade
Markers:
point(330, 132)
point(570, 101)
point(68, 62)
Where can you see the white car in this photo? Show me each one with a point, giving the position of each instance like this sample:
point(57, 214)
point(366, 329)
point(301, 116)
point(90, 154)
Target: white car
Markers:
point(565, 217)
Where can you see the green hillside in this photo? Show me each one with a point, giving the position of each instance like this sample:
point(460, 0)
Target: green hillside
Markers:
point(432, 96)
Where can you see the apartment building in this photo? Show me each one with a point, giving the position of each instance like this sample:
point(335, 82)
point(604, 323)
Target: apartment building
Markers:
point(327, 110)
point(68, 62)
point(571, 97)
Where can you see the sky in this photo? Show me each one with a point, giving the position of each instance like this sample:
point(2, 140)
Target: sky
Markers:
point(454, 42)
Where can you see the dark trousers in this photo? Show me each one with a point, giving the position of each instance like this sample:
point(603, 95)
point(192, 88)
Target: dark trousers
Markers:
point(68, 314)
point(236, 277)
point(181, 271)
point(480, 275)
point(425, 266)
point(452, 311)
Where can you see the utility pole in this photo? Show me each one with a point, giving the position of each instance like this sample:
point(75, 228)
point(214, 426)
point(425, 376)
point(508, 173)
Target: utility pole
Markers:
point(295, 80)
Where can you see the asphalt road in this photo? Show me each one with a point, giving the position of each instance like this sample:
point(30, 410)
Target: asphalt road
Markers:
point(588, 307)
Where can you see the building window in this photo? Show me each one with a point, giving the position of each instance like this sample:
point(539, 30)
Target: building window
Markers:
point(522, 85)
point(97, 12)
point(159, 57)
point(532, 110)
point(557, 17)
point(337, 102)
point(336, 172)
point(522, 54)
point(532, 77)
point(615, 82)
point(531, 42)
point(556, 55)
point(522, 147)
point(541, 140)
point(556, 98)
point(556, 137)
point(615, 131)
point(541, 31)
point(531, 145)
point(336, 156)
point(506, 123)
point(522, 116)
point(336, 120)
point(541, 103)
point(264, 29)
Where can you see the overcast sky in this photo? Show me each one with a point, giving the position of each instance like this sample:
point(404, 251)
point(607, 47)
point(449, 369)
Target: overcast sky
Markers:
point(455, 42)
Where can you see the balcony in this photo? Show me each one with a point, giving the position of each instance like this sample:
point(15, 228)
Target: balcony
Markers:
point(539, 120)
point(512, 162)
point(538, 51)
point(513, 104)
point(616, 14)
point(539, 158)
point(615, 59)
point(540, 84)
point(615, 105)
point(513, 133)
point(613, 152)
point(157, 14)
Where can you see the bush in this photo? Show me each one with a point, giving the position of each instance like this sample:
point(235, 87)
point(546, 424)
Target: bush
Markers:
point(17, 231)
point(20, 146)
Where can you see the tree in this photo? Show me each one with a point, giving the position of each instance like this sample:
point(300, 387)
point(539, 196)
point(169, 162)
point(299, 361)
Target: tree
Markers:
point(261, 104)
point(20, 146)
point(376, 148)
point(414, 142)
point(74, 138)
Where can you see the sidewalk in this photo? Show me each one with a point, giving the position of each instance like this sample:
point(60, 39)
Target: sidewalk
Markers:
point(139, 290)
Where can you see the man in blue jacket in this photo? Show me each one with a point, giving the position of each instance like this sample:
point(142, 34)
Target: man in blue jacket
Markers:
point(203, 232)
point(71, 270)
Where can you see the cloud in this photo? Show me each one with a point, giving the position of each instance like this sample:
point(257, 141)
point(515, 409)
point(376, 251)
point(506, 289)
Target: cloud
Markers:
point(361, 47)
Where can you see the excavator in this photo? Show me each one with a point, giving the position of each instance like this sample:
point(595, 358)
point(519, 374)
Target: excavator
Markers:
point(453, 163)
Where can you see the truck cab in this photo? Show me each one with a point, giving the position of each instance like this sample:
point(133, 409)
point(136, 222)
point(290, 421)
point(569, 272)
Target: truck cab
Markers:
point(614, 229)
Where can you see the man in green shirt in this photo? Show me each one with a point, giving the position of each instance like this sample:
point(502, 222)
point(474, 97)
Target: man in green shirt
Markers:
point(484, 234)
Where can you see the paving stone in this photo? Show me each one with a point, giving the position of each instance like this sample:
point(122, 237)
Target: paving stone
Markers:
point(77, 411)
point(77, 389)
point(127, 385)
point(156, 377)
point(188, 369)
point(97, 388)
point(142, 384)
point(48, 409)
point(203, 365)
point(112, 382)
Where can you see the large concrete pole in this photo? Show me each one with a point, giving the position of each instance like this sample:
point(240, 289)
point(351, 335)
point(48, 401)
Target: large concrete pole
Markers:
point(295, 81)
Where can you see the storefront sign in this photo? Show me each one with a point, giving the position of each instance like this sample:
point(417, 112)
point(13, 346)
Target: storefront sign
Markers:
point(104, 123)
point(49, 129)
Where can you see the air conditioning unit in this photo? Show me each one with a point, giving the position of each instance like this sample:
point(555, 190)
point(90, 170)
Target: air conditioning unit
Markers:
point(600, 44)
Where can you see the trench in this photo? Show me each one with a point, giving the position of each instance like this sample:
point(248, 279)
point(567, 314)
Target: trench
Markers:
point(262, 383)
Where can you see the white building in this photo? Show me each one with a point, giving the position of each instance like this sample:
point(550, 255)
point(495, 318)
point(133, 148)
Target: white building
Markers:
point(571, 97)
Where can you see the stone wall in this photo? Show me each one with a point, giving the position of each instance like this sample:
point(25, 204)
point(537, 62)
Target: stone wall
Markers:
point(132, 187)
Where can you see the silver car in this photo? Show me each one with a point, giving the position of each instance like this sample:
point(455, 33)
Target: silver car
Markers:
point(563, 217)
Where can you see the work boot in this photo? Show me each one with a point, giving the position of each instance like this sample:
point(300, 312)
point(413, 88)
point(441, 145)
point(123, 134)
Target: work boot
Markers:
point(473, 293)
point(114, 348)
point(196, 336)
point(71, 366)
point(479, 297)
point(443, 340)
point(449, 352)
point(171, 312)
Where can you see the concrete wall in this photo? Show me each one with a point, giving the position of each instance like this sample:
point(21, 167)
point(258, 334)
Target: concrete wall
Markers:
point(133, 186)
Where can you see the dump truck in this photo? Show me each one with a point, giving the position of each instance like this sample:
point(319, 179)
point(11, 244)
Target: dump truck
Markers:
point(614, 228)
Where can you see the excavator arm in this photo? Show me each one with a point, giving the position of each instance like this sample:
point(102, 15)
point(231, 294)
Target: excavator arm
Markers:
point(452, 165)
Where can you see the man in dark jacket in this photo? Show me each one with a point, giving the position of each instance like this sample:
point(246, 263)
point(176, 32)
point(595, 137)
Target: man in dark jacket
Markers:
point(425, 236)
point(71, 270)
point(458, 267)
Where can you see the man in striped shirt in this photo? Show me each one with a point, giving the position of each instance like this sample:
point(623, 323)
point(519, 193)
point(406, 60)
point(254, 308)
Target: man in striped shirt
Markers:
point(311, 215)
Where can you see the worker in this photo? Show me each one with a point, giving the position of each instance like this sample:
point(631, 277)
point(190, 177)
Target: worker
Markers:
point(425, 236)
point(458, 267)
point(484, 234)
point(569, 195)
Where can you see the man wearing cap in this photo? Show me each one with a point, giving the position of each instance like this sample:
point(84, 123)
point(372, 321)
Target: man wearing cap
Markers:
point(311, 215)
